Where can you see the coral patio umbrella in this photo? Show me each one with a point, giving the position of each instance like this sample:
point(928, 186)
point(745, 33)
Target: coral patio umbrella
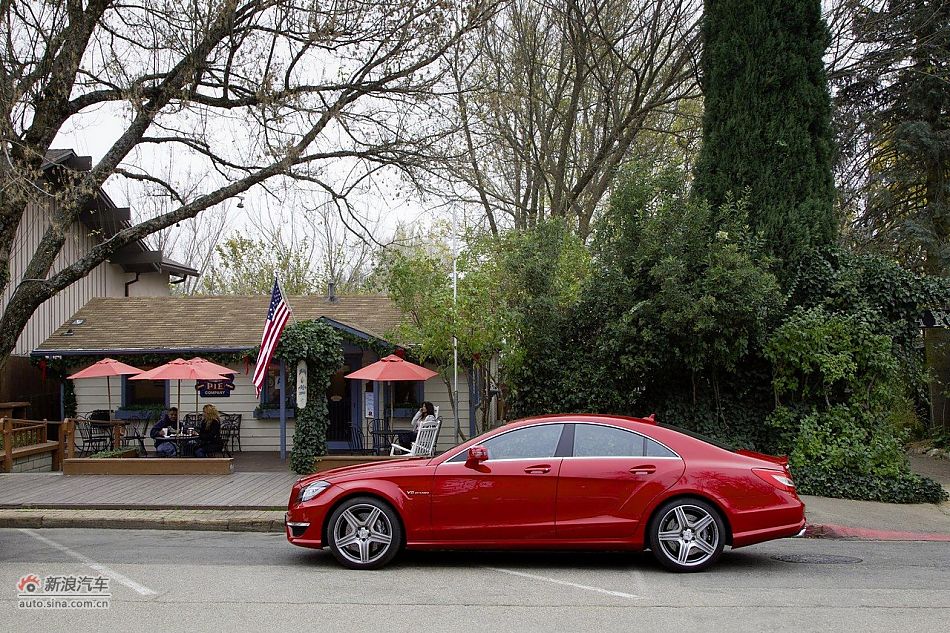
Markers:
point(179, 369)
point(106, 367)
point(392, 368)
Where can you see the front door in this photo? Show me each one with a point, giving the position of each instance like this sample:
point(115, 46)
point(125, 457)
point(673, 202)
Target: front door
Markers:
point(511, 496)
point(340, 402)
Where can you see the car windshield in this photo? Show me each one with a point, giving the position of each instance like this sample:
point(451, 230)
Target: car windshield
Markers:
point(701, 437)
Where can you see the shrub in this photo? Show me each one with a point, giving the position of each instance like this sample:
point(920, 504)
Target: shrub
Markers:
point(845, 398)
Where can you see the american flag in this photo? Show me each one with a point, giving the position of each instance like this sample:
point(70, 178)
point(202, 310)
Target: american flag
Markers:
point(277, 315)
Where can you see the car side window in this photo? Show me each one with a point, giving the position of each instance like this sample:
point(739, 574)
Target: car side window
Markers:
point(594, 440)
point(655, 449)
point(532, 442)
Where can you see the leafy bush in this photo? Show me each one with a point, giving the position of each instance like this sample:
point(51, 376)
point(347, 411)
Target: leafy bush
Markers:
point(844, 386)
point(322, 348)
point(109, 454)
point(906, 487)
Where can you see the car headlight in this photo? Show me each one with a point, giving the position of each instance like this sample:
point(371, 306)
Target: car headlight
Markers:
point(311, 490)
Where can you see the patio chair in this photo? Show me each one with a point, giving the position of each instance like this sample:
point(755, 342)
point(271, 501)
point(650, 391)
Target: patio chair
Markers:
point(233, 422)
point(230, 432)
point(134, 434)
point(379, 433)
point(191, 421)
point(424, 446)
point(93, 439)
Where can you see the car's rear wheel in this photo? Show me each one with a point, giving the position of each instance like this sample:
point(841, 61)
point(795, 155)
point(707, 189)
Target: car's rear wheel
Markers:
point(687, 535)
point(364, 533)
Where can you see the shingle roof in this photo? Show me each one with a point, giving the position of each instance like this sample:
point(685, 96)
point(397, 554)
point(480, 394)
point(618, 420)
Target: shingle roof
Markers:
point(204, 323)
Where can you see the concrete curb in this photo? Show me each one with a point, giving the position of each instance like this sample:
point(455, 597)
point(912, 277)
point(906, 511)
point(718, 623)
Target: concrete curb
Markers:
point(273, 522)
point(831, 531)
point(208, 520)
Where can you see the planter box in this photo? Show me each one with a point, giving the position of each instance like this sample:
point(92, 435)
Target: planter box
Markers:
point(274, 414)
point(150, 466)
point(328, 462)
point(132, 452)
point(138, 414)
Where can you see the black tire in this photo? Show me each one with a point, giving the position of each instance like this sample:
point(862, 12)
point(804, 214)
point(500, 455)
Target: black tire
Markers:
point(691, 547)
point(357, 533)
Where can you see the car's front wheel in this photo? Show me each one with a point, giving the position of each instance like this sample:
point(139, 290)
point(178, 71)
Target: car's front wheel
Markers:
point(687, 535)
point(364, 533)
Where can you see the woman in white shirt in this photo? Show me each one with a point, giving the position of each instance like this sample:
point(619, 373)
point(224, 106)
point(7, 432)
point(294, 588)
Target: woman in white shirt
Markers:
point(425, 413)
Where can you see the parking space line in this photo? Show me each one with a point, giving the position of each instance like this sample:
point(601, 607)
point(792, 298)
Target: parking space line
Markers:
point(555, 581)
point(99, 567)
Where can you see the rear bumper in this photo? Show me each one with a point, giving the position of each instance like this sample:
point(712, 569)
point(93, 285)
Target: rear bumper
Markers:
point(796, 529)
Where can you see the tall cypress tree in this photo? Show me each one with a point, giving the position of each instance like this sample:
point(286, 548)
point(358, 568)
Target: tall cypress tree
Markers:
point(767, 132)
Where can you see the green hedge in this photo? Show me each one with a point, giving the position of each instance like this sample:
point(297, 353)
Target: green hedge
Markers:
point(905, 487)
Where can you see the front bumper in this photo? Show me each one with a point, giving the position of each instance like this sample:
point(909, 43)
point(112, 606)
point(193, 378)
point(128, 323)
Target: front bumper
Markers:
point(299, 532)
point(295, 529)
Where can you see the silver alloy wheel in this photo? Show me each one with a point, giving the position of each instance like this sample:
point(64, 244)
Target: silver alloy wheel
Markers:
point(688, 535)
point(363, 534)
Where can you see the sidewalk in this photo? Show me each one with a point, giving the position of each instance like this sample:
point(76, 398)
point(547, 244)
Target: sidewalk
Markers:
point(255, 501)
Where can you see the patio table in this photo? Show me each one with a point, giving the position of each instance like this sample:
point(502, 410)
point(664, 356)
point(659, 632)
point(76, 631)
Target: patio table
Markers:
point(382, 440)
point(184, 444)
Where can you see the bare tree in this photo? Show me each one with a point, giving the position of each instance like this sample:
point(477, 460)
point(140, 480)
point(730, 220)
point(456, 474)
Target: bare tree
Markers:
point(554, 94)
point(247, 91)
point(191, 241)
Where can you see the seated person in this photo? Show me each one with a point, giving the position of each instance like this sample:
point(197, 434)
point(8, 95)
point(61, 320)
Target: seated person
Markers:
point(425, 413)
point(209, 435)
point(169, 420)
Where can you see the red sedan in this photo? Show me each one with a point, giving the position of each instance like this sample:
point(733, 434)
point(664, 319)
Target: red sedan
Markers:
point(553, 482)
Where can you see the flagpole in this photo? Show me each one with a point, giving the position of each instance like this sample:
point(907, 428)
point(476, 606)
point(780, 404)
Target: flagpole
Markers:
point(284, 295)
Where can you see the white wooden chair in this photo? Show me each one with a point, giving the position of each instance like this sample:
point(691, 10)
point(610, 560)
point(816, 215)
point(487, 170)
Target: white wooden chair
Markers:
point(424, 446)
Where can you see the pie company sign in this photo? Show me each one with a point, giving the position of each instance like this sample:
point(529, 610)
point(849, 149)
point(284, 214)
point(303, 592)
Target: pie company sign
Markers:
point(216, 388)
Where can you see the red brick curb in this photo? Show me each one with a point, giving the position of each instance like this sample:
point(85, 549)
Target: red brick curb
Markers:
point(828, 530)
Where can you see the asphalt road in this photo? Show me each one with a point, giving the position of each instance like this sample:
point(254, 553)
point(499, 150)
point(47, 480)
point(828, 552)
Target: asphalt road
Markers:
point(216, 581)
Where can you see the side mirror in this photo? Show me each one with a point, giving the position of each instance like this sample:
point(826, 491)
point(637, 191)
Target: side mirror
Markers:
point(476, 455)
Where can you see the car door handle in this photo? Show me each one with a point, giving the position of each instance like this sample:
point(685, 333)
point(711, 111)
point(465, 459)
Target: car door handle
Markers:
point(645, 469)
point(540, 469)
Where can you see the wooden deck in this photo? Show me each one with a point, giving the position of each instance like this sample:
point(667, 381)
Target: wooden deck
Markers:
point(237, 491)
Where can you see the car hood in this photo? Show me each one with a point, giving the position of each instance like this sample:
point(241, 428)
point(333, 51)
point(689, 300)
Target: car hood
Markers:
point(366, 469)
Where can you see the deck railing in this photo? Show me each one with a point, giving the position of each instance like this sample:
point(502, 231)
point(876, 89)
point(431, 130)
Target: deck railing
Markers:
point(21, 438)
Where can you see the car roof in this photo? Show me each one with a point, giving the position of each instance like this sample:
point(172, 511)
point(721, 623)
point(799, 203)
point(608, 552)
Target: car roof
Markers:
point(582, 417)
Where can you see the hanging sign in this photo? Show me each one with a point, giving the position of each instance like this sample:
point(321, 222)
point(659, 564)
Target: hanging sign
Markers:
point(215, 388)
point(301, 384)
point(369, 404)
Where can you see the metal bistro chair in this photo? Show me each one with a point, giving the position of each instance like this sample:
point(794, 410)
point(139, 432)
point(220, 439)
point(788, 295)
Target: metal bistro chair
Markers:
point(94, 439)
point(230, 432)
point(231, 421)
point(135, 432)
point(380, 434)
point(357, 443)
point(191, 421)
point(424, 446)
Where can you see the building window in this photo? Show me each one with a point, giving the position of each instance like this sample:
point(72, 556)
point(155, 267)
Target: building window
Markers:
point(270, 392)
point(408, 394)
point(143, 393)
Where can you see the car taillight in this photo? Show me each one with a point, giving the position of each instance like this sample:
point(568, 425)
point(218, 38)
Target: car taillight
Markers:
point(778, 478)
